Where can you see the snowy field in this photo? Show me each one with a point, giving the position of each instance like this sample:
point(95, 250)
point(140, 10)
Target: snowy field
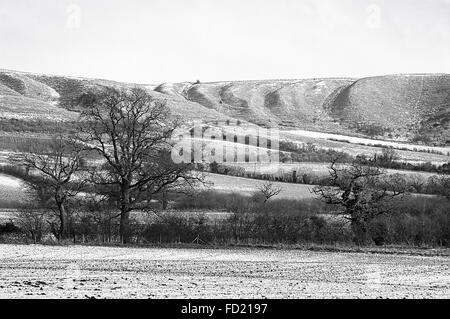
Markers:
point(367, 141)
point(248, 186)
point(102, 272)
point(12, 190)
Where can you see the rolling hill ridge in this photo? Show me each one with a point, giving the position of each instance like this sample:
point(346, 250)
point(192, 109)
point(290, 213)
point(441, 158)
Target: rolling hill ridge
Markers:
point(393, 107)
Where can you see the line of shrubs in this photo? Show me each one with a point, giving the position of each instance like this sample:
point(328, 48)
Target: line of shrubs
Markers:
point(417, 222)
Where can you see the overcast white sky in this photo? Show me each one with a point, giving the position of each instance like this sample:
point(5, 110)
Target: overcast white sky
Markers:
point(154, 41)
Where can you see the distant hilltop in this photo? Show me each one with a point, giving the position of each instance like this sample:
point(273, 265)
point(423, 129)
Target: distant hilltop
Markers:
point(406, 107)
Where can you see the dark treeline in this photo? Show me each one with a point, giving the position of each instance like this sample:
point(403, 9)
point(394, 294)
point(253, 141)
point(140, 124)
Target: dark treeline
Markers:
point(250, 221)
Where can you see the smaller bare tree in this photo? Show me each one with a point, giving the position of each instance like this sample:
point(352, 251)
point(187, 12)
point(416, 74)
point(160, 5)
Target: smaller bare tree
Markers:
point(417, 183)
point(269, 190)
point(51, 178)
point(440, 184)
point(33, 221)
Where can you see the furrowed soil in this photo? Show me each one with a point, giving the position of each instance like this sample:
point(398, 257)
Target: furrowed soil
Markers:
point(106, 272)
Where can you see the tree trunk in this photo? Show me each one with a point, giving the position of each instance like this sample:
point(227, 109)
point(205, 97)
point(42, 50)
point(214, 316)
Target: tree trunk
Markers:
point(164, 200)
point(64, 224)
point(125, 231)
point(360, 234)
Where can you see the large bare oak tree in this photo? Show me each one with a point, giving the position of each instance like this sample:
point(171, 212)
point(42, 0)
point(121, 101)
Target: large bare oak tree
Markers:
point(132, 131)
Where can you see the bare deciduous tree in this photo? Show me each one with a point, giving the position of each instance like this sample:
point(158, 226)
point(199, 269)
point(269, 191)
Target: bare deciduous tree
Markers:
point(417, 183)
point(53, 178)
point(363, 192)
point(132, 131)
point(269, 190)
point(441, 185)
point(33, 221)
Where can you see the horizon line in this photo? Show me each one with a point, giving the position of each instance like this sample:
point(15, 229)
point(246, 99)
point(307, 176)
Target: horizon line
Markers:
point(219, 81)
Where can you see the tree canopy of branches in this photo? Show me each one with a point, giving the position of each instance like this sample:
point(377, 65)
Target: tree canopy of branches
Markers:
point(441, 185)
point(132, 130)
point(362, 192)
point(269, 190)
point(52, 175)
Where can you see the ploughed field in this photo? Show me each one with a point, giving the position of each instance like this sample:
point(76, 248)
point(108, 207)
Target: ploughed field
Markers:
point(105, 272)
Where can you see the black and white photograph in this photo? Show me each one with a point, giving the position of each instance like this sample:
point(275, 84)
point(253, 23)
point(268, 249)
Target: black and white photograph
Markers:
point(235, 150)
